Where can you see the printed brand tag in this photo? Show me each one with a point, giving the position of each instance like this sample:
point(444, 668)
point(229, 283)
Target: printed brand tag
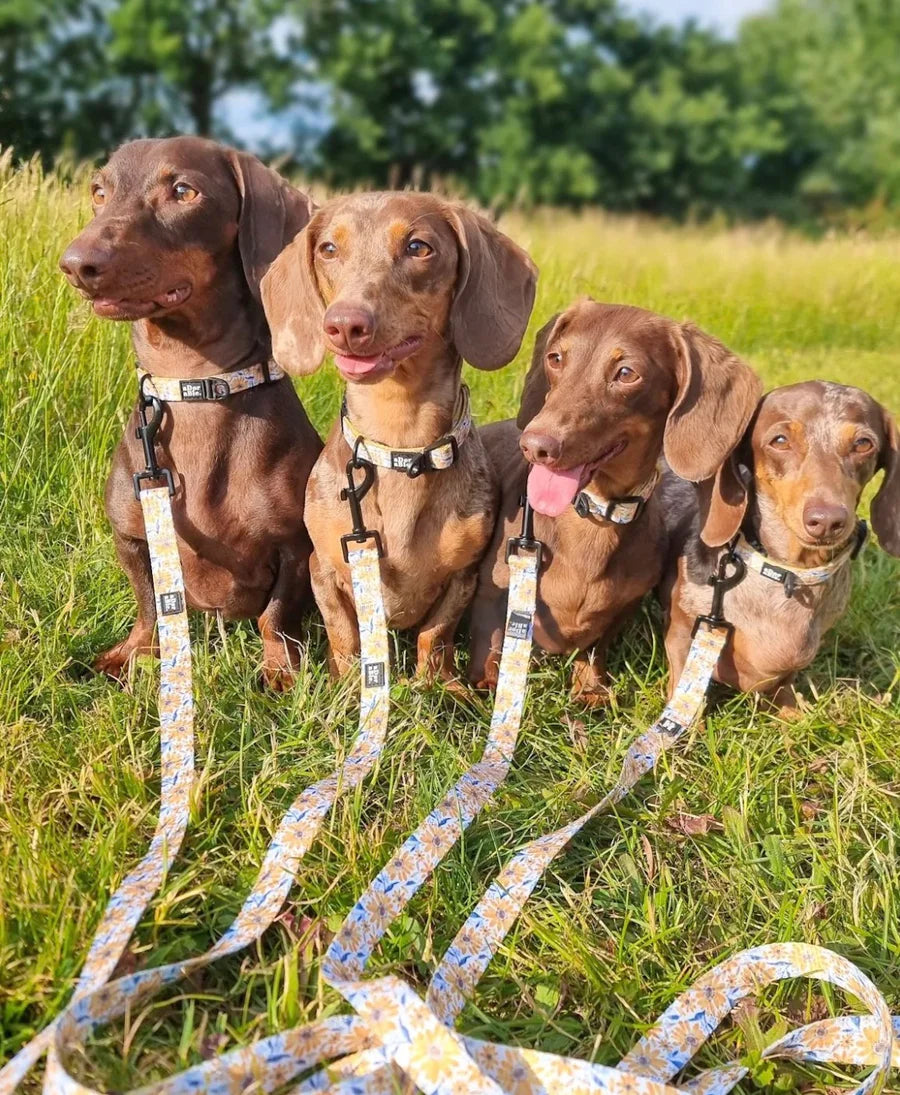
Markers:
point(402, 461)
point(668, 725)
point(192, 389)
point(519, 625)
point(373, 674)
point(773, 572)
point(170, 603)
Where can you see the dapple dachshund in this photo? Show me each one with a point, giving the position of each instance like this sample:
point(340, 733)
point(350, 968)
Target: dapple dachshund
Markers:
point(787, 499)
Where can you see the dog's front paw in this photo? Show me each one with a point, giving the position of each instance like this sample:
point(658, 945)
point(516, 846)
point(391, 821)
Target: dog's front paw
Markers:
point(594, 695)
point(116, 662)
point(278, 678)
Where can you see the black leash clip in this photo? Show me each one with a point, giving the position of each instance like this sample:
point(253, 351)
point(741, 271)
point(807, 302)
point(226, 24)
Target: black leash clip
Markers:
point(525, 541)
point(721, 582)
point(354, 493)
point(146, 434)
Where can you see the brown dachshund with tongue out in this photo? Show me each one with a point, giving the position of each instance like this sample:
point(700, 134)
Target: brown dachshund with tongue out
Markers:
point(611, 389)
point(401, 287)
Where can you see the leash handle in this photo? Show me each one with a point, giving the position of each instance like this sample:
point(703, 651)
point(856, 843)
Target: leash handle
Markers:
point(354, 493)
point(146, 432)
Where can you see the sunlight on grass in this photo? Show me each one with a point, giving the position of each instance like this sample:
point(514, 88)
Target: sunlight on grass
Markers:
point(633, 912)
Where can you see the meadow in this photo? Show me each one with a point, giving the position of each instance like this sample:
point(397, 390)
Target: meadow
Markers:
point(798, 834)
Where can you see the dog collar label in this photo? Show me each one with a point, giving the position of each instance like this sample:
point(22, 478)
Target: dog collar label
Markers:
point(776, 574)
point(402, 461)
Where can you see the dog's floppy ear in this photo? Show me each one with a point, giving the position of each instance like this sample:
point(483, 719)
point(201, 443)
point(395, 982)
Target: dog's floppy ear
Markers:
point(723, 503)
point(885, 511)
point(536, 385)
point(717, 395)
point(272, 213)
point(494, 291)
point(294, 306)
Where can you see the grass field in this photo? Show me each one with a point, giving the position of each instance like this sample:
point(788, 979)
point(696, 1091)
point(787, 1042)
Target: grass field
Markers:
point(805, 845)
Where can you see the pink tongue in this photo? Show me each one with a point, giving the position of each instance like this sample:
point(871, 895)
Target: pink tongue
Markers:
point(357, 366)
point(550, 492)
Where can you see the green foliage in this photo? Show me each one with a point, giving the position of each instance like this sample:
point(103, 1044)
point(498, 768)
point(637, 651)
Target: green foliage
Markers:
point(515, 102)
point(632, 912)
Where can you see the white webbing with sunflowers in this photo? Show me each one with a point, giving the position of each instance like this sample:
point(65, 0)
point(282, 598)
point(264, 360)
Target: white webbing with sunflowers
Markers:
point(394, 1028)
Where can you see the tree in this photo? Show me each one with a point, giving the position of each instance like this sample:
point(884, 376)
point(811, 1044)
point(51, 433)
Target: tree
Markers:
point(827, 75)
point(84, 76)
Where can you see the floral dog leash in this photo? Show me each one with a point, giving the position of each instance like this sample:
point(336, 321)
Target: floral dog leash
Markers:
point(394, 1026)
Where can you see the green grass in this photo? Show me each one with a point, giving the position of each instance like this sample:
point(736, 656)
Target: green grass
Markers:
point(632, 913)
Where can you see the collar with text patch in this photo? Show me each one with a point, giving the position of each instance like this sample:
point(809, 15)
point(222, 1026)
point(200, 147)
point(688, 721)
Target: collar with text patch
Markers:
point(792, 576)
point(437, 456)
point(620, 511)
point(209, 389)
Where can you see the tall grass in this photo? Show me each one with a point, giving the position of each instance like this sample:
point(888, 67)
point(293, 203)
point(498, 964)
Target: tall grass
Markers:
point(807, 848)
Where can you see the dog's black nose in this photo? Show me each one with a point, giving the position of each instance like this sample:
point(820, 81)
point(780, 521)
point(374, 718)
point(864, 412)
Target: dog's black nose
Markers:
point(85, 264)
point(825, 520)
point(540, 448)
point(350, 328)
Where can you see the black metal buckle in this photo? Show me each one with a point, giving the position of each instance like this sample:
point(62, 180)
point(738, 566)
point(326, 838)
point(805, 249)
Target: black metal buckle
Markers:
point(146, 434)
point(422, 462)
point(207, 389)
point(525, 541)
point(354, 493)
point(721, 582)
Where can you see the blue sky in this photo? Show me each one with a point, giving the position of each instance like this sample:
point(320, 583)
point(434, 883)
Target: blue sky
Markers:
point(725, 15)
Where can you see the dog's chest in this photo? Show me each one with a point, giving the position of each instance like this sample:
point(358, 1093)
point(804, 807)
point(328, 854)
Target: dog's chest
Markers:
point(593, 576)
point(422, 552)
point(774, 634)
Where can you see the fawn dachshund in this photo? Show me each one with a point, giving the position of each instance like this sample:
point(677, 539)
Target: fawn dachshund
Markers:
point(786, 500)
point(183, 230)
point(401, 287)
point(610, 390)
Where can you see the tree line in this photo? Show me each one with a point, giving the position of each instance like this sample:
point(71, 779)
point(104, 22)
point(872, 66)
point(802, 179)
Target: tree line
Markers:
point(563, 102)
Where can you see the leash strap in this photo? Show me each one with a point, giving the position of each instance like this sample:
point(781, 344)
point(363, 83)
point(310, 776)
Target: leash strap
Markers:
point(437, 456)
point(176, 729)
point(393, 1020)
point(620, 511)
point(209, 389)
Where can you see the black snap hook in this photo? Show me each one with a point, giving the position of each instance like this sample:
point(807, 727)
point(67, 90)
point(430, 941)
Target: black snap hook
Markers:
point(150, 416)
point(721, 582)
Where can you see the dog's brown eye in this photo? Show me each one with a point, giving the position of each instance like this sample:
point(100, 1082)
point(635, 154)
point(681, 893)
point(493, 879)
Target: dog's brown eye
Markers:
point(327, 249)
point(419, 249)
point(554, 359)
point(863, 445)
point(184, 193)
point(98, 194)
point(779, 441)
point(626, 375)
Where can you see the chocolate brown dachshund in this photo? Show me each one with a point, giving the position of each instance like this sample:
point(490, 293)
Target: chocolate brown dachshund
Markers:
point(611, 389)
point(401, 287)
point(183, 230)
point(791, 489)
